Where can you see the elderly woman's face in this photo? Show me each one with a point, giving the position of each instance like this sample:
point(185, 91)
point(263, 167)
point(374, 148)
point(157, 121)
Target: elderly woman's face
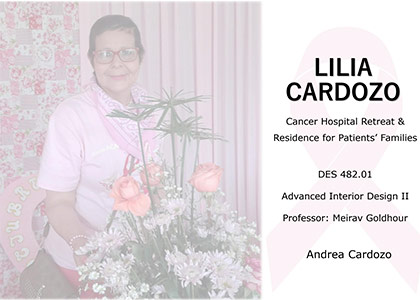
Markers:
point(116, 77)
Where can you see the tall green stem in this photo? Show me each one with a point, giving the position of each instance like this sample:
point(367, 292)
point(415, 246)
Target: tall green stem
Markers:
point(192, 190)
point(181, 230)
point(111, 219)
point(196, 153)
point(132, 223)
point(162, 259)
point(144, 166)
point(184, 149)
point(144, 230)
point(173, 146)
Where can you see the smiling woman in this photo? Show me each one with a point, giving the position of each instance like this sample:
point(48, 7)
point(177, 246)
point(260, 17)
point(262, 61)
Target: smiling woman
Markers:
point(116, 74)
point(85, 151)
point(206, 48)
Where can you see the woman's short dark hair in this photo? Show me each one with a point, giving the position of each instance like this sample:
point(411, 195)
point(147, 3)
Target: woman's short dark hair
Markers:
point(114, 22)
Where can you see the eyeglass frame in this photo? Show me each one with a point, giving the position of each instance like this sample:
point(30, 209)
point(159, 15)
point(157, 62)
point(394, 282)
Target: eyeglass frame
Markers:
point(116, 52)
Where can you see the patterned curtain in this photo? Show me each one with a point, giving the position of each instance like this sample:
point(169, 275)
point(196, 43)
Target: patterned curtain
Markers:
point(208, 49)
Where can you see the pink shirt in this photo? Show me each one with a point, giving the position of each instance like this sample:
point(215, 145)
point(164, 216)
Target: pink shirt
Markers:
point(80, 155)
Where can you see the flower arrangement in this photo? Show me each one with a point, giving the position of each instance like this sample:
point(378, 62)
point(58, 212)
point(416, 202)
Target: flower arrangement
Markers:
point(167, 239)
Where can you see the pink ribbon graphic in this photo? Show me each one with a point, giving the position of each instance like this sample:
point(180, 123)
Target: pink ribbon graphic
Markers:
point(289, 242)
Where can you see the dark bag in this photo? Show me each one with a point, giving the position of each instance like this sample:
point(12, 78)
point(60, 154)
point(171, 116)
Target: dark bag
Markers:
point(43, 278)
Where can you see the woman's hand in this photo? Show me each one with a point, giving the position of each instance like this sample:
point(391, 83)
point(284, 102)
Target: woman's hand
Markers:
point(62, 215)
point(79, 259)
point(76, 243)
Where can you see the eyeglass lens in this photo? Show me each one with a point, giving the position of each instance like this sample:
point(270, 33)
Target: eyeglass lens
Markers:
point(107, 56)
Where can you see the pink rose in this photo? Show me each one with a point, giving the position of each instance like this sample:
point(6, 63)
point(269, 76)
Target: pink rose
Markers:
point(7, 170)
point(73, 72)
point(9, 123)
point(69, 8)
point(19, 137)
point(255, 264)
point(27, 82)
point(154, 172)
point(127, 196)
point(206, 177)
point(10, 6)
point(39, 87)
point(62, 57)
point(39, 149)
point(35, 21)
point(16, 73)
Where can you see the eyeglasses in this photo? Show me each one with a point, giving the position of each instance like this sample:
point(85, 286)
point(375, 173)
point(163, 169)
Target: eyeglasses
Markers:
point(107, 56)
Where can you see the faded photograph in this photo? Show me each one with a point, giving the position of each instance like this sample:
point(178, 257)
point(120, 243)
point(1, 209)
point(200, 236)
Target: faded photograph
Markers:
point(129, 150)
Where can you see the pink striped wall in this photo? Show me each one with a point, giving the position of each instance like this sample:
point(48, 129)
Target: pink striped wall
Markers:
point(210, 49)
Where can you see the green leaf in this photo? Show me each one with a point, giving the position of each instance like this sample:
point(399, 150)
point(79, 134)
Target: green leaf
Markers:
point(171, 289)
point(137, 250)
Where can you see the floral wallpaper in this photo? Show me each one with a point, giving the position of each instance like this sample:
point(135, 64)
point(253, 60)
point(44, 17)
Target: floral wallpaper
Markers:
point(39, 67)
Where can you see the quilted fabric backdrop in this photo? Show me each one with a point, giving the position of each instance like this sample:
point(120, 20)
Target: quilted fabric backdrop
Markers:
point(39, 67)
